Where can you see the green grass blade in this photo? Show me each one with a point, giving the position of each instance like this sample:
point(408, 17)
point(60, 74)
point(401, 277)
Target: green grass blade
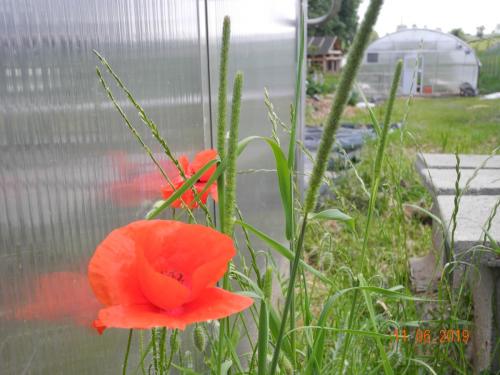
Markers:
point(333, 214)
point(283, 250)
point(284, 177)
point(298, 95)
point(383, 354)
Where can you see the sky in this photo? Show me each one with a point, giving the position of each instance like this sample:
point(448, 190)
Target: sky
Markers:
point(433, 14)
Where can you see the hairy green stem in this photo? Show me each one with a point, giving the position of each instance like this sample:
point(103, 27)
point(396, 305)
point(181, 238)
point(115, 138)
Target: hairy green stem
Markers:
point(127, 352)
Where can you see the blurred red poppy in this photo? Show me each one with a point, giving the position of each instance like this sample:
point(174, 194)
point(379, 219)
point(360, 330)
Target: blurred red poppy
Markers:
point(58, 296)
point(188, 199)
point(162, 273)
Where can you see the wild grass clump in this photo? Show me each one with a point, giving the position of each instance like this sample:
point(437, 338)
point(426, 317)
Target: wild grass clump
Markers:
point(347, 289)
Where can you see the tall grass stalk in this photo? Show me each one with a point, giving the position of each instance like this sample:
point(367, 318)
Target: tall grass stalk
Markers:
point(154, 130)
point(230, 175)
point(355, 56)
point(291, 219)
point(222, 114)
point(377, 169)
point(379, 160)
point(230, 194)
point(346, 83)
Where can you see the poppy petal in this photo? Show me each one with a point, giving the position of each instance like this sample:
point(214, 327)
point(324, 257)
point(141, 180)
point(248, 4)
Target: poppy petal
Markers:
point(207, 275)
point(184, 163)
point(112, 270)
point(200, 160)
point(135, 316)
point(215, 303)
point(163, 291)
point(193, 245)
point(214, 193)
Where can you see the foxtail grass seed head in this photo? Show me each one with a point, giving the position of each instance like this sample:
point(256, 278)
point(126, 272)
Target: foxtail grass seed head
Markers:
point(200, 338)
point(356, 53)
point(222, 98)
point(230, 188)
point(268, 283)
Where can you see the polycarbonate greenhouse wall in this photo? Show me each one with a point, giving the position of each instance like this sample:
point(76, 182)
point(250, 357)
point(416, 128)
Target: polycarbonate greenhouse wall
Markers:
point(435, 63)
point(70, 171)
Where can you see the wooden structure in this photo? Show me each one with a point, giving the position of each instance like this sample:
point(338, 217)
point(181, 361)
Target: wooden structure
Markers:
point(325, 52)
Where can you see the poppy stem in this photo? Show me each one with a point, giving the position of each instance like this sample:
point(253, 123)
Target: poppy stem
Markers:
point(172, 352)
point(127, 352)
point(155, 350)
point(162, 352)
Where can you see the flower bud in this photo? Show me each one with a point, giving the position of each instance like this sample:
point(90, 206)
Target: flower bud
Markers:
point(200, 338)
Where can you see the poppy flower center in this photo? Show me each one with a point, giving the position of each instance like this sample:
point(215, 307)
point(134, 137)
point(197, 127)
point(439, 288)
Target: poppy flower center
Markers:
point(176, 275)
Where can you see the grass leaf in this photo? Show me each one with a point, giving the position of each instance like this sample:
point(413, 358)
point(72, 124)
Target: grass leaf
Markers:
point(333, 214)
point(283, 251)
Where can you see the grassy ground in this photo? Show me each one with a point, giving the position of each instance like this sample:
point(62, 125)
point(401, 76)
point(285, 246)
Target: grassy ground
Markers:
point(446, 124)
point(434, 125)
point(489, 73)
point(484, 43)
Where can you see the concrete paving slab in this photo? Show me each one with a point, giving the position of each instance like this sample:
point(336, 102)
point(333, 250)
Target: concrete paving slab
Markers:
point(448, 161)
point(442, 181)
point(473, 213)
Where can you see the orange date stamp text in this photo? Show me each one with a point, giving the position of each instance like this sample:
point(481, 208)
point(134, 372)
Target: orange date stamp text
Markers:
point(432, 337)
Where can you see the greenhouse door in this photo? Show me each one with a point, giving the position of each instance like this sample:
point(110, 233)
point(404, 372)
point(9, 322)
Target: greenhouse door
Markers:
point(412, 74)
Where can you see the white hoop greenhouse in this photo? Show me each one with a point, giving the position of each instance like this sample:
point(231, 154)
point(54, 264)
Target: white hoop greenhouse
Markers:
point(435, 63)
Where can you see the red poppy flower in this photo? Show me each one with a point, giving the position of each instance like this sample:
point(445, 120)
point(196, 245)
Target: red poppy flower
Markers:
point(188, 199)
point(162, 273)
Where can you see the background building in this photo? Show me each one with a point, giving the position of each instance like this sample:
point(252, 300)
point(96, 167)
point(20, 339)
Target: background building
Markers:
point(435, 63)
point(325, 52)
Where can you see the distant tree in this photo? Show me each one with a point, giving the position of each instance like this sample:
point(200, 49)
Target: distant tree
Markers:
point(343, 25)
point(480, 31)
point(459, 33)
